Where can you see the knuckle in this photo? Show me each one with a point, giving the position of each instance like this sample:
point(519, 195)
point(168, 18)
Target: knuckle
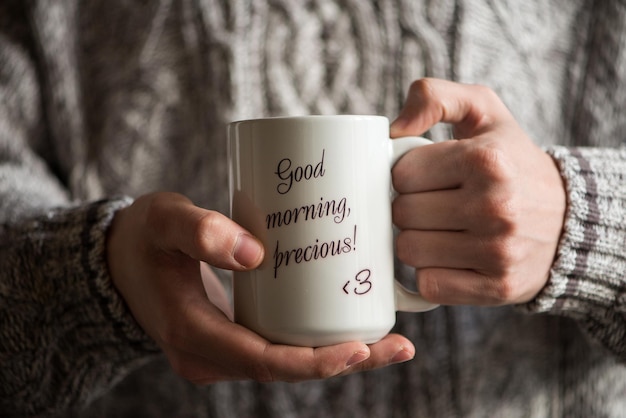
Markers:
point(422, 87)
point(503, 292)
point(487, 100)
point(323, 372)
point(486, 92)
point(494, 181)
point(502, 250)
point(209, 235)
point(501, 214)
point(209, 221)
point(495, 233)
point(324, 369)
point(489, 162)
point(425, 90)
point(505, 254)
point(486, 107)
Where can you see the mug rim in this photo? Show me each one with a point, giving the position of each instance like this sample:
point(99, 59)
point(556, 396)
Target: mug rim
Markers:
point(296, 118)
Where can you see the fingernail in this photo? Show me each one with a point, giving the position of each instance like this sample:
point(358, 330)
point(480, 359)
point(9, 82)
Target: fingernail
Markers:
point(401, 356)
point(247, 251)
point(357, 357)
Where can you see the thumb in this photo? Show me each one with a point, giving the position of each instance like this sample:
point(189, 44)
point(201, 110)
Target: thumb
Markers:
point(203, 234)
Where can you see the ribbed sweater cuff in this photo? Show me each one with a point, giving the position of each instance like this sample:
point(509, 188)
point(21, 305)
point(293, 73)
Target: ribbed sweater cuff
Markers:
point(71, 334)
point(588, 278)
point(98, 219)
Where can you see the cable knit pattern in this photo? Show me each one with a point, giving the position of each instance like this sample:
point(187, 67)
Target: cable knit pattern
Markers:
point(105, 98)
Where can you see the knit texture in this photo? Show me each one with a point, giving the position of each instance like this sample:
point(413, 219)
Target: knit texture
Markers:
point(105, 98)
point(587, 278)
point(68, 306)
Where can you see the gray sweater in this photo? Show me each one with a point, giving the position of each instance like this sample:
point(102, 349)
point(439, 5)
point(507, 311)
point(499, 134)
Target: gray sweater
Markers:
point(104, 100)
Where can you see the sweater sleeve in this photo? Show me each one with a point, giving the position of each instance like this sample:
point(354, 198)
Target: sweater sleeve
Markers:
point(66, 335)
point(588, 277)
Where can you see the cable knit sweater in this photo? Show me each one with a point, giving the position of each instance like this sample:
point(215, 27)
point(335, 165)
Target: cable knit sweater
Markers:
point(108, 98)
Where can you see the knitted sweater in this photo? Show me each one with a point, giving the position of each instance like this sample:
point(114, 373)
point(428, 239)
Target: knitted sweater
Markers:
point(108, 98)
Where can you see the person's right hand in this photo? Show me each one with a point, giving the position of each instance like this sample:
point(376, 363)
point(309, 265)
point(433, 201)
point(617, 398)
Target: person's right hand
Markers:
point(480, 216)
point(156, 251)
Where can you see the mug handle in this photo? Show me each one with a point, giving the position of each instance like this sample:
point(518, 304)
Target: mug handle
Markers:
point(405, 299)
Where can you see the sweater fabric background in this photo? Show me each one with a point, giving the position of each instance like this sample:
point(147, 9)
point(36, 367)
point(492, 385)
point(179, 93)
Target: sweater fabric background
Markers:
point(105, 100)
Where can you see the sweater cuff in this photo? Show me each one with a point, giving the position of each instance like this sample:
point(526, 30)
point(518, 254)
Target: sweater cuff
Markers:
point(587, 280)
point(111, 304)
point(72, 336)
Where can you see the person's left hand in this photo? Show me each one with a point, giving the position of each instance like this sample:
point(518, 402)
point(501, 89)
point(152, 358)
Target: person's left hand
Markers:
point(158, 254)
point(480, 217)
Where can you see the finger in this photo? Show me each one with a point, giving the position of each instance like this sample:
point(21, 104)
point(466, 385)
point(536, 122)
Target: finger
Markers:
point(433, 167)
point(439, 210)
point(475, 165)
point(203, 234)
point(293, 364)
point(392, 349)
point(472, 109)
point(453, 250)
point(466, 287)
point(241, 353)
point(214, 238)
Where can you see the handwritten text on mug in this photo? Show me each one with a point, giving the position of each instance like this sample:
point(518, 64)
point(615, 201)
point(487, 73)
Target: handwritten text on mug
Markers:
point(364, 284)
point(318, 250)
point(299, 173)
point(337, 209)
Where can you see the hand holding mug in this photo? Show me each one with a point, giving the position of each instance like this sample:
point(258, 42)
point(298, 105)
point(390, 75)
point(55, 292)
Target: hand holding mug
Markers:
point(316, 190)
point(481, 217)
point(158, 252)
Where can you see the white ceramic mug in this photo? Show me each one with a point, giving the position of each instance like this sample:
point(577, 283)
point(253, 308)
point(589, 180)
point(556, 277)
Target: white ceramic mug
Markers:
point(316, 190)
